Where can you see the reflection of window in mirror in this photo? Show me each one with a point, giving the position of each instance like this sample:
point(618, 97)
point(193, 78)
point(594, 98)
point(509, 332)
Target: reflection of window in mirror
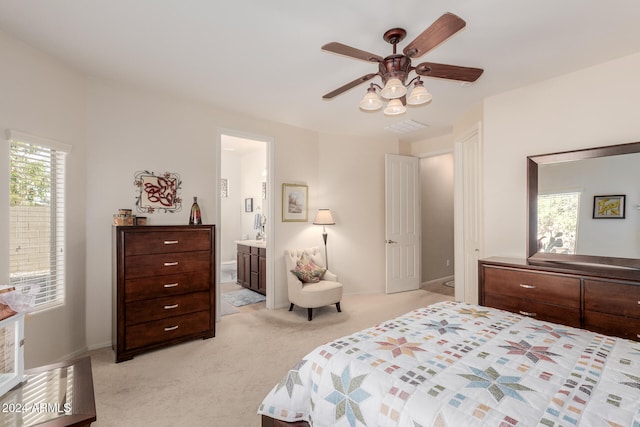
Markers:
point(558, 222)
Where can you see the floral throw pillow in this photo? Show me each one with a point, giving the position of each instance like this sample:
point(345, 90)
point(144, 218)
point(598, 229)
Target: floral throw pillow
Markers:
point(308, 271)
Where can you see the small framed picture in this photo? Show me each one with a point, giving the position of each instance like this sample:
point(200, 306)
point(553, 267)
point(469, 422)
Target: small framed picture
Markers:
point(248, 204)
point(609, 206)
point(295, 198)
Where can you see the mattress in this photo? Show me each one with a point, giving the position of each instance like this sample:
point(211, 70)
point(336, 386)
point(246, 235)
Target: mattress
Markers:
point(456, 364)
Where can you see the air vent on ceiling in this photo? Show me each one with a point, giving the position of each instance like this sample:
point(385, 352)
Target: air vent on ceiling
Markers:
point(406, 126)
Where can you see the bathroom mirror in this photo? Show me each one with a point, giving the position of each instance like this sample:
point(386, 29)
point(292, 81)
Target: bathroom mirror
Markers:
point(567, 222)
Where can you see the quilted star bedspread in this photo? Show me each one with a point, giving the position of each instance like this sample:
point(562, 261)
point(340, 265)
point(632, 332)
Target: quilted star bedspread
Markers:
point(455, 364)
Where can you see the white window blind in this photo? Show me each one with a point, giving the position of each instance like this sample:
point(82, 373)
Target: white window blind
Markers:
point(37, 234)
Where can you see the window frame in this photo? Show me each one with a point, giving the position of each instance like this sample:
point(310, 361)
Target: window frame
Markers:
point(575, 193)
point(55, 281)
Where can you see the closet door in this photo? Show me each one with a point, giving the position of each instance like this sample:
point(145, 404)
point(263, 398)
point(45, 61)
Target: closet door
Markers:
point(402, 220)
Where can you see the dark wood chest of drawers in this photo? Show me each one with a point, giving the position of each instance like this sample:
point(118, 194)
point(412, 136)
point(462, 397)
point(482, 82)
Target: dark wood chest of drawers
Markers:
point(590, 299)
point(164, 286)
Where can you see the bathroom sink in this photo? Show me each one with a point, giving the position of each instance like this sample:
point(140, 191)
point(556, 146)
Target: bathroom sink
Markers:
point(254, 243)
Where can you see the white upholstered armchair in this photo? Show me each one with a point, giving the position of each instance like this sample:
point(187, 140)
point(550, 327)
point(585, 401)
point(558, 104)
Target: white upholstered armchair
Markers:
point(312, 286)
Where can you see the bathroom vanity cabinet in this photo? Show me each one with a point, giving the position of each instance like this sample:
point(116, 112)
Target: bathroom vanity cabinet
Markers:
point(252, 265)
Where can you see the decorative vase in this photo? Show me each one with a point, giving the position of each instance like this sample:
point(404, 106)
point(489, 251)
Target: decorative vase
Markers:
point(195, 217)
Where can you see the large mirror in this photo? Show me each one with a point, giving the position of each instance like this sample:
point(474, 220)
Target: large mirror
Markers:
point(584, 206)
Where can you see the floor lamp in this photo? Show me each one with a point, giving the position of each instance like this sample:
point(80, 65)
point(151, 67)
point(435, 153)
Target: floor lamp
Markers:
point(324, 217)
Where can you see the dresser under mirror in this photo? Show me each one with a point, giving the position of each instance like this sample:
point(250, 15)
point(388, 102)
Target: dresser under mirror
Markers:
point(583, 244)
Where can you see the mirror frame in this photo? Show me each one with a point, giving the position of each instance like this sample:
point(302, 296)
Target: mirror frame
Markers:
point(532, 200)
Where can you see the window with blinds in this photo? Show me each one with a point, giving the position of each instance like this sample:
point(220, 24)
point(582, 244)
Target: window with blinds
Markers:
point(36, 208)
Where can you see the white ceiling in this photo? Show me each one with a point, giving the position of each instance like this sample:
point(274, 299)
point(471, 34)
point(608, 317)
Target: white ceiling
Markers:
point(263, 58)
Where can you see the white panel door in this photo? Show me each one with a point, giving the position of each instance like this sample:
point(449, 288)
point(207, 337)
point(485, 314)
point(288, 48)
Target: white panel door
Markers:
point(402, 222)
point(467, 209)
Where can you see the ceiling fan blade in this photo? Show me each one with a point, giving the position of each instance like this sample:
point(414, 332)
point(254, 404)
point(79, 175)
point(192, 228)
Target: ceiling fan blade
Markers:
point(352, 52)
point(349, 85)
point(443, 28)
point(451, 72)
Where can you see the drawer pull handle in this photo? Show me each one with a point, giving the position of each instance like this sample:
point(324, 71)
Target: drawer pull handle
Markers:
point(170, 285)
point(170, 242)
point(522, 285)
point(170, 328)
point(526, 313)
point(170, 264)
point(170, 307)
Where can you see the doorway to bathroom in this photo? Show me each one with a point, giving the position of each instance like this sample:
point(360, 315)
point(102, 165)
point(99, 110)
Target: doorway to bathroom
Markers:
point(245, 212)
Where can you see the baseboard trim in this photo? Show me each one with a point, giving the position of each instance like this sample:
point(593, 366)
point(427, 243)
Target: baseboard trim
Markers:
point(99, 346)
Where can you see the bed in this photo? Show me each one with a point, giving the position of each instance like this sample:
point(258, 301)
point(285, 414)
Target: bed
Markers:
point(456, 364)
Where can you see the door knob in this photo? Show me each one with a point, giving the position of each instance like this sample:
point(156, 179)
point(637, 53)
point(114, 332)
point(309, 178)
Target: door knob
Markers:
point(390, 241)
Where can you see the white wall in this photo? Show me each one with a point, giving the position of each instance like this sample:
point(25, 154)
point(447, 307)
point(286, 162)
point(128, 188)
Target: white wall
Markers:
point(252, 166)
point(436, 177)
point(230, 207)
point(117, 130)
point(41, 96)
point(351, 184)
point(593, 107)
point(130, 129)
point(433, 146)
point(436, 190)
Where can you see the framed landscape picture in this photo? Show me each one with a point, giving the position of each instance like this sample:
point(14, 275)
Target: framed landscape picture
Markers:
point(295, 198)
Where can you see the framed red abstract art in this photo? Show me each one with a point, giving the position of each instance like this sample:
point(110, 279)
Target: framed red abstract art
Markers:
point(158, 192)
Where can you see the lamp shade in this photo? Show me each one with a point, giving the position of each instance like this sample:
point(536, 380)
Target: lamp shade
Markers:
point(393, 89)
point(419, 95)
point(324, 217)
point(370, 102)
point(394, 108)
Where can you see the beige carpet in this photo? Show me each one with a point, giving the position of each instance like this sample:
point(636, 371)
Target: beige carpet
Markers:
point(221, 381)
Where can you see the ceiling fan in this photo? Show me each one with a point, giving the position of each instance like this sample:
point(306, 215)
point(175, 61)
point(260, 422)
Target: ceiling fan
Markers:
point(394, 69)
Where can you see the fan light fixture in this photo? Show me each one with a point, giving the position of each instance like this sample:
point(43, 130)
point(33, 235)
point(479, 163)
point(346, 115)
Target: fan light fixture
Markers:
point(398, 88)
point(394, 90)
